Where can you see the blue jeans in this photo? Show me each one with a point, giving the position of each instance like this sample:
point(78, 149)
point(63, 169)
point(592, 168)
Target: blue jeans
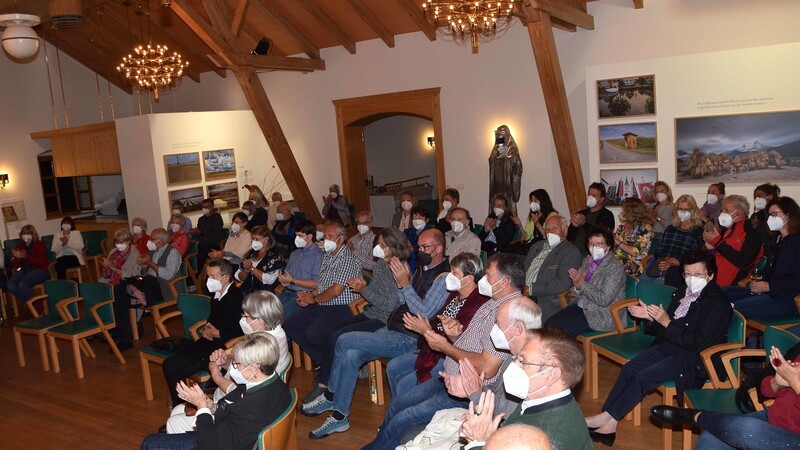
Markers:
point(751, 431)
point(355, 349)
point(415, 408)
point(403, 377)
point(311, 326)
point(759, 306)
point(288, 298)
point(164, 441)
point(22, 282)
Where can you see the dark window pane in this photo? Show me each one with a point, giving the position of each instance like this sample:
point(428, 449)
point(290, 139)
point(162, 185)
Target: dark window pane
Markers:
point(49, 186)
point(46, 168)
point(67, 194)
point(51, 204)
point(85, 200)
point(83, 183)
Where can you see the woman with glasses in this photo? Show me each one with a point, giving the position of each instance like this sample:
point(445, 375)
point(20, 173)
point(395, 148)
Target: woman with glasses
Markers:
point(772, 297)
point(121, 261)
point(260, 397)
point(697, 318)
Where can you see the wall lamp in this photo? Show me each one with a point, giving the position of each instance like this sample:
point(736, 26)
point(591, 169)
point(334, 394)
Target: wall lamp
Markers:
point(431, 141)
point(3, 180)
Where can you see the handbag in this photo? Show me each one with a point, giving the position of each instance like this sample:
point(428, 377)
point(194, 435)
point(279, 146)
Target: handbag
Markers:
point(169, 343)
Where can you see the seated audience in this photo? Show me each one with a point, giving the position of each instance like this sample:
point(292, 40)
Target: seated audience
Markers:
point(261, 264)
point(29, 264)
point(140, 236)
point(696, 319)
point(772, 297)
point(302, 272)
point(238, 243)
point(255, 210)
point(683, 235)
point(68, 248)
point(261, 311)
point(712, 207)
point(595, 215)
point(161, 264)
point(419, 223)
point(548, 266)
point(663, 209)
point(361, 243)
point(235, 421)
point(735, 243)
point(208, 232)
point(542, 376)
point(272, 209)
point(121, 262)
point(450, 200)
point(532, 230)
point(498, 228)
point(776, 427)
point(634, 235)
point(283, 231)
point(178, 236)
point(460, 238)
point(762, 196)
point(177, 208)
point(402, 218)
point(598, 284)
point(336, 207)
point(221, 326)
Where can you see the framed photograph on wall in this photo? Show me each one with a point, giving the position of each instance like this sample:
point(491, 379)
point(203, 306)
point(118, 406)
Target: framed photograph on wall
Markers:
point(183, 168)
point(738, 148)
point(224, 195)
point(190, 198)
point(624, 183)
point(219, 164)
point(628, 143)
point(626, 96)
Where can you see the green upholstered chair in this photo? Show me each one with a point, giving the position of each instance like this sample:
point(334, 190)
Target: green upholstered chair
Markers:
point(784, 322)
point(93, 244)
point(177, 286)
point(281, 434)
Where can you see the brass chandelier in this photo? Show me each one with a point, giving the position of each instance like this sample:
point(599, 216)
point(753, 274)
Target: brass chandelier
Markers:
point(151, 68)
point(478, 21)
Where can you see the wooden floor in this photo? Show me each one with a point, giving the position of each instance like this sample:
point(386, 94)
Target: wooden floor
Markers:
point(107, 409)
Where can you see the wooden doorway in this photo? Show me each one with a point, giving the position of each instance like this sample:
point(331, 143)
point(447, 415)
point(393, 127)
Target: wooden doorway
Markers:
point(353, 114)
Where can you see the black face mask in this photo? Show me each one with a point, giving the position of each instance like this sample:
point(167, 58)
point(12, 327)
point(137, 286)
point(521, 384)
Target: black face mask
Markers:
point(424, 258)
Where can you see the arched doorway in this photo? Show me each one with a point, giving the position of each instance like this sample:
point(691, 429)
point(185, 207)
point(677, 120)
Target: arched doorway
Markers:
point(353, 114)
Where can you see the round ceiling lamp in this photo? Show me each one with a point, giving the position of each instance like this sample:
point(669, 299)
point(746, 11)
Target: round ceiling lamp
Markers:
point(19, 39)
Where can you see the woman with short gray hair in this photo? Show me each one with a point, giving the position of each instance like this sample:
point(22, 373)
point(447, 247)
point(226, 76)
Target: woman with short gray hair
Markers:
point(736, 244)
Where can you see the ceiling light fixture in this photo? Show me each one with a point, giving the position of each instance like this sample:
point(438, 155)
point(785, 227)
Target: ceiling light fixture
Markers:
point(19, 39)
point(478, 21)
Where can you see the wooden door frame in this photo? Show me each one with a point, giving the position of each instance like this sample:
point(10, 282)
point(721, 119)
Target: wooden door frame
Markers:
point(361, 111)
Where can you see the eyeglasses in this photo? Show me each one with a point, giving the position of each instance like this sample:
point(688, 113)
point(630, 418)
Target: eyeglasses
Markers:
point(699, 275)
point(519, 360)
point(236, 365)
point(777, 214)
point(247, 316)
point(427, 246)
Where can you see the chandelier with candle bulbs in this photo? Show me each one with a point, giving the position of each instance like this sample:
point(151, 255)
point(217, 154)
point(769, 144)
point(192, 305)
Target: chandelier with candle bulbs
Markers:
point(152, 68)
point(478, 21)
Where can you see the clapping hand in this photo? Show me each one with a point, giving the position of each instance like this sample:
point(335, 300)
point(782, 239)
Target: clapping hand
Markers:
point(578, 277)
point(479, 424)
point(452, 327)
point(218, 360)
point(787, 373)
point(400, 272)
point(465, 384)
point(578, 219)
point(436, 341)
point(658, 314)
point(416, 323)
point(193, 394)
point(357, 284)
point(285, 278)
point(639, 310)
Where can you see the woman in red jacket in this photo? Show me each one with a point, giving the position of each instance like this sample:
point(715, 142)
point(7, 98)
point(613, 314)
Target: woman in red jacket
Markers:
point(735, 243)
point(30, 264)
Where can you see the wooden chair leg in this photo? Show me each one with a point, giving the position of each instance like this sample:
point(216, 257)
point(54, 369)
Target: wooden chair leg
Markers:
point(637, 414)
point(14, 305)
point(296, 357)
point(88, 348)
point(3, 304)
point(595, 374)
point(43, 350)
point(86, 352)
point(587, 373)
point(687, 438)
point(307, 364)
point(379, 391)
point(148, 383)
point(666, 430)
point(113, 346)
point(54, 351)
point(134, 324)
point(20, 351)
point(76, 353)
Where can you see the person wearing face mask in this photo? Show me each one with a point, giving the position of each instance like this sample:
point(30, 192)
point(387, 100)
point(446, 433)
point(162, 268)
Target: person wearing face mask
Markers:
point(362, 242)
point(259, 398)
point(633, 236)
point(684, 234)
point(460, 238)
point(430, 263)
point(595, 215)
point(272, 210)
point(302, 272)
point(208, 231)
point(325, 308)
point(178, 237)
point(255, 215)
point(547, 266)
point(261, 264)
point(498, 228)
point(503, 280)
point(663, 209)
point(238, 244)
point(336, 207)
point(121, 261)
point(159, 266)
point(532, 230)
point(450, 200)
point(735, 243)
point(177, 208)
point(261, 312)
point(697, 318)
point(140, 236)
point(68, 248)
point(221, 326)
point(542, 376)
point(762, 196)
point(283, 231)
point(402, 218)
point(29, 264)
point(772, 297)
point(598, 284)
point(419, 224)
point(713, 205)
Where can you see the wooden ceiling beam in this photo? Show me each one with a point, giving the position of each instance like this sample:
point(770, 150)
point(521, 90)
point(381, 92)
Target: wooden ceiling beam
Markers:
point(268, 9)
point(372, 21)
point(346, 41)
point(238, 18)
point(561, 25)
point(200, 27)
point(269, 62)
point(219, 19)
point(565, 12)
point(415, 12)
point(638, 4)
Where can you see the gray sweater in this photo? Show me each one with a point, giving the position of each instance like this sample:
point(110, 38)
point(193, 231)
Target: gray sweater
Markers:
point(381, 293)
point(606, 287)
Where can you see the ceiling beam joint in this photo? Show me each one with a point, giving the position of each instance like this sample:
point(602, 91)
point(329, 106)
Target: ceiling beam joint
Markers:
point(373, 21)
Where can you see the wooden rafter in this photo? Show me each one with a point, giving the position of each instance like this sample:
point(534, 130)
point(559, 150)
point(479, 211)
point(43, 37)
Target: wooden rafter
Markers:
point(221, 22)
point(373, 21)
point(567, 13)
point(346, 41)
point(268, 9)
point(269, 62)
point(638, 4)
point(415, 12)
point(238, 18)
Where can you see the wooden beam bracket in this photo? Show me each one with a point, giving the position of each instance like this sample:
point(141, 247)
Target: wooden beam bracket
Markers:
point(566, 13)
point(275, 62)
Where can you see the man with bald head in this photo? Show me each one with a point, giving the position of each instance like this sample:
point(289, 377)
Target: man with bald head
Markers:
point(519, 437)
point(431, 261)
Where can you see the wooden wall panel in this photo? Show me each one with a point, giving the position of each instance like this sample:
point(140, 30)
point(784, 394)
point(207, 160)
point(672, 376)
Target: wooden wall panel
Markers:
point(85, 150)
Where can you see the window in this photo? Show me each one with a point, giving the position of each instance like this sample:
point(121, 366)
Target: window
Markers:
point(64, 196)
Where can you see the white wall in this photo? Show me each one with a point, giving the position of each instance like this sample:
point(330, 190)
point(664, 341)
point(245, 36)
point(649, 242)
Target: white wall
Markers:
point(397, 149)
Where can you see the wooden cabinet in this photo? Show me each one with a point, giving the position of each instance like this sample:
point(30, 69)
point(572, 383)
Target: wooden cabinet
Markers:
point(84, 150)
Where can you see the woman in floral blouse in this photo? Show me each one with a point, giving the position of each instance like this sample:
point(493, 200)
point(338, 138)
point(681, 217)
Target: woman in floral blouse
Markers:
point(121, 261)
point(634, 234)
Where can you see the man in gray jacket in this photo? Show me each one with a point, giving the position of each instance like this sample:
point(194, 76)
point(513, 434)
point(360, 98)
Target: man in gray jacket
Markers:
point(547, 266)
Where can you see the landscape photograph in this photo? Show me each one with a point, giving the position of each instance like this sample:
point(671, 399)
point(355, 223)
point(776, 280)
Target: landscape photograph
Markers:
point(183, 168)
point(633, 142)
point(626, 96)
point(219, 164)
point(743, 148)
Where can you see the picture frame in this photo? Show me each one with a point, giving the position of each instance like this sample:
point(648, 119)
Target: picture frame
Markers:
point(183, 168)
point(218, 164)
point(225, 195)
point(750, 148)
point(191, 198)
point(623, 183)
point(628, 143)
point(626, 96)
